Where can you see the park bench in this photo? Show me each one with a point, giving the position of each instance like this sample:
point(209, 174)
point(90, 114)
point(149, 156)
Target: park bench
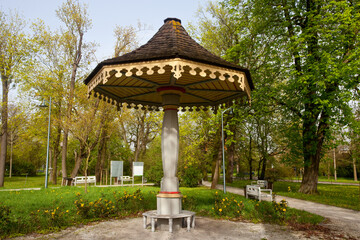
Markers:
point(126, 179)
point(260, 183)
point(81, 180)
point(257, 192)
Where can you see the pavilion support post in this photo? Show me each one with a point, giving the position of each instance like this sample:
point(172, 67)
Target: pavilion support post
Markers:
point(169, 198)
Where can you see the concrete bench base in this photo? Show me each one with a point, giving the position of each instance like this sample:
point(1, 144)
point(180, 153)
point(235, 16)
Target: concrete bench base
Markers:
point(179, 218)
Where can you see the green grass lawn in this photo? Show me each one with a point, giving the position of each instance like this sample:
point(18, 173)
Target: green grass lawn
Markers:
point(46, 210)
point(19, 182)
point(345, 196)
point(27, 182)
point(331, 180)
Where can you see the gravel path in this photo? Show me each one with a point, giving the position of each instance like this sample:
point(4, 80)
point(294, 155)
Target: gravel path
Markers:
point(341, 220)
point(206, 228)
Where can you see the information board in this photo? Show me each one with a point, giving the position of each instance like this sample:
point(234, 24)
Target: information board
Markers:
point(116, 169)
point(138, 168)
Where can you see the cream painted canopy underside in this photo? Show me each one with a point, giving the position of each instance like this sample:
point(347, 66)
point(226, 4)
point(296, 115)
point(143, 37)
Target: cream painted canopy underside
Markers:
point(137, 84)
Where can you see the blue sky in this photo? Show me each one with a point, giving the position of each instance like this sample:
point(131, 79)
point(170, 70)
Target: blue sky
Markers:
point(106, 14)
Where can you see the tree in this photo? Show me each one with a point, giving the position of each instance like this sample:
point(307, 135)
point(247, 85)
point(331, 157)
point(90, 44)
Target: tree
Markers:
point(125, 40)
point(16, 119)
point(14, 49)
point(316, 44)
point(77, 22)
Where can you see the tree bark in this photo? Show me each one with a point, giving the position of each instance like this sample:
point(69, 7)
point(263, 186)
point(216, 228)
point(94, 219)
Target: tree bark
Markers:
point(250, 159)
point(355, 172)
point(335, 173)
point(263, 168)
point(101, 154)
point(218, 157)
point(230, 166)
point(78, 160)
point(56, 150)
point(4, 127)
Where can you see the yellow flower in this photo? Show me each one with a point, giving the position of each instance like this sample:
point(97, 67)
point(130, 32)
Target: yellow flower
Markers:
point(220, 210)
point(82, 205)
point(284, 209)
point(223, 200)
point(67, 211)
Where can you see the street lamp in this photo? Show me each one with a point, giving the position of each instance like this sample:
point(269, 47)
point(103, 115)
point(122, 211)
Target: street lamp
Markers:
point(48, 142)
point(222, 138)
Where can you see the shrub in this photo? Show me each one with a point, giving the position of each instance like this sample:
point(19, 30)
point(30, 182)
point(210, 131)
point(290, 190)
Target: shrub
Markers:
point(23, 168)
point(227, 206)
point(154, 172)
point(129, 202)
point(55, 217)
point(100, 208)
point(188, 202)
point(4, 218)
point(190, 176)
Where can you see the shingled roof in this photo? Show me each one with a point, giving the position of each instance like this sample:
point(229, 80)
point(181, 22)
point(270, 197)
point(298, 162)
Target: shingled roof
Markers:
point(171, 41)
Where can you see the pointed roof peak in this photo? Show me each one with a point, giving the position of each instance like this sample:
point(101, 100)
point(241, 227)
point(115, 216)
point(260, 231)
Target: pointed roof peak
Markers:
point(171, 41)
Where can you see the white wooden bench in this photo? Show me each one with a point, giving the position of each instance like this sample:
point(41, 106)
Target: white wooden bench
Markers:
point(81, 180)
point(258, 192)
point(126, 179)
point(261, 183)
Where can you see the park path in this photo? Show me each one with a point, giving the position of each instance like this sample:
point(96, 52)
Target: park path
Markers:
point(341, 220)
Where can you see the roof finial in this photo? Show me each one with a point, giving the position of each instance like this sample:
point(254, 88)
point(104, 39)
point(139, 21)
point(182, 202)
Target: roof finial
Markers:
point(172, 19)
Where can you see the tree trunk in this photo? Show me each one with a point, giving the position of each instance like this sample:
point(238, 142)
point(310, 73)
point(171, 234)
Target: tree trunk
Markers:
point(310, 178)
point(263, 169)
point(86, 168)
point(230, 166)
point(355, 172)
point(53, 176)
point(64, 152)
point(11, 154)
point(335, 173)
point(250, 160)
point(4, 127)
point(218, 157)
point(78, 160)
point(101, 155)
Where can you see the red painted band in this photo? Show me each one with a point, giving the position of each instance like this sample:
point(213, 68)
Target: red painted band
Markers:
point(171, 192)
point(160, 89)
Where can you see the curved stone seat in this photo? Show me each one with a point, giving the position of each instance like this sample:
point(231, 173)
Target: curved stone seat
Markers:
point(190, 219)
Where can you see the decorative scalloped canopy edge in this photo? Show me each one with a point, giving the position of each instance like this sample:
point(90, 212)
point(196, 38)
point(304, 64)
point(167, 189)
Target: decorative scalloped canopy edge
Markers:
point(158, 67)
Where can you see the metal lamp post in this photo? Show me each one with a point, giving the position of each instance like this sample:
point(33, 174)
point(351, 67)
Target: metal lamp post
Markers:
point(223, 148)
point(48, 144)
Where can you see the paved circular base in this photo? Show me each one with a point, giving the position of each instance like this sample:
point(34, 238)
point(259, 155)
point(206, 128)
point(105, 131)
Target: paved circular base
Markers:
point(188, 215)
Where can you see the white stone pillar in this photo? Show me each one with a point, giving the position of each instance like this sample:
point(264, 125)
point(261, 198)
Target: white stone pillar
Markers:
point(170, 144)
point(169, 198)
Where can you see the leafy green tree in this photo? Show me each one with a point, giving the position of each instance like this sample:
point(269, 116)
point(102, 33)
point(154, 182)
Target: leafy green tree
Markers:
point(315, 46)
point(77, 22)
point(15, 47)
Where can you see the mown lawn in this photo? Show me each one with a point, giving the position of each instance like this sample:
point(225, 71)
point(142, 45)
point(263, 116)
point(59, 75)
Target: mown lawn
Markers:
point(26, 211)
point(17, 182)
point(345, 196)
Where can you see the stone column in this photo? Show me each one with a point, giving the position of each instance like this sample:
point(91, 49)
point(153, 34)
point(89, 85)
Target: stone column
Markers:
point(169, 198)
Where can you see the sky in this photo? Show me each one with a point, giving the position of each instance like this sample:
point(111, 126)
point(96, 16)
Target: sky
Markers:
point(106, 14)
